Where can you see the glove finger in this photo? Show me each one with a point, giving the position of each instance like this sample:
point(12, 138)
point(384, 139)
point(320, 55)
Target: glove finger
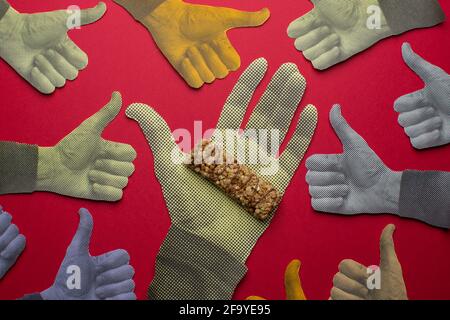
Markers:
point(117, 151)
point(91, 15)
point(14, 248)
point(5, 221)
point(112, 260)
point(341, 281)
point(73, 54)
point(40, 81)
point(410, 118)
point(114, 167)
point(424, 127)
point(107, 193)
point(124, 296)
point(317, 178)
point(213, 61)
point(112, 290)
point(226, 52)
point(426, 140)
point(9, 235)
point(322, 47)
point(410, 102)
point(292, 282)
point(425, 70)
point(157, 133)
point(348, 137)
point(255, 298)
point(333, 191)
point(331, 205)
point(296, 148)
point(119, 274)
point(199, 65)
point(82, 238)
point(354, 270)
point(49, 72)
point(338, 294)
point(107, 179)
point(388, 256)
point(328, 59)
point(312, 38)
point(324, 162)
point(105, 115)
point(233, 18)
point(190, 74)
point(303, 25)
point(236, 105)
point(61, 65)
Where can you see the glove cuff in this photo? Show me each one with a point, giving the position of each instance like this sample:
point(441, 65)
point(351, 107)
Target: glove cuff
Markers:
point(140, 8)
point(8, 24)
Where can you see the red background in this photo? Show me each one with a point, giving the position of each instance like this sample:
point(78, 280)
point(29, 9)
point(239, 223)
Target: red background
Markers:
point(123, 57)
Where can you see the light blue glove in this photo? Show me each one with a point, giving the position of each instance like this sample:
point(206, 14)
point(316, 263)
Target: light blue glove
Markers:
point(11, 242)
point(83, 277)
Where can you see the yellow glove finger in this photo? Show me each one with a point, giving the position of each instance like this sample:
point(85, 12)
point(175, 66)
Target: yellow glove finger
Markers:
point(233, 18)
point(190, 74)
point(292, 283)
point(255, 298)
point(227, 52)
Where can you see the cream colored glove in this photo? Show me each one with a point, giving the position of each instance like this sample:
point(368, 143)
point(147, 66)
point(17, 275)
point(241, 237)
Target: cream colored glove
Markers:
point(83, 164)
point(38, 48)
point(193, 37)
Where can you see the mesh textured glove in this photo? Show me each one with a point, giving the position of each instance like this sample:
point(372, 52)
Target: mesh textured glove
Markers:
point(197, 206)
point(83, 164)
point(83, 277)
point(38, 48)
point(292, 283)
point(193, 37)
point(336, 30)
point(425, 114)
point(11, 242)
point(351, 282)
point(356, 181)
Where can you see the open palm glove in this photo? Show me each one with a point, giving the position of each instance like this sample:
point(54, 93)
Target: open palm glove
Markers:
point(193, 37)
point(37, 45)
point(12, 242)
point(352, 280)
point(83, 277)
point(336, 30)
point(211, 234)
point(425, 114)
point(357, 181)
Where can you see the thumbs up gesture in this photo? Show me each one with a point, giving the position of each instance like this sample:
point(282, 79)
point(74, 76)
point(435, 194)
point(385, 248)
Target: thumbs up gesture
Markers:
point(351, 282)
point(38, 48)
point(83, 277)
point(193, 37)
point(425, 114)
point(83, 164)
point(355, 181)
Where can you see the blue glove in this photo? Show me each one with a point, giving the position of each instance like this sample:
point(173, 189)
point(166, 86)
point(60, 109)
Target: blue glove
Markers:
point(83, 277)
point(11, 242)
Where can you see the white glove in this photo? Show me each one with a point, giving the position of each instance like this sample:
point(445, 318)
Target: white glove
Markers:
point(425, 114)
point(38, 48)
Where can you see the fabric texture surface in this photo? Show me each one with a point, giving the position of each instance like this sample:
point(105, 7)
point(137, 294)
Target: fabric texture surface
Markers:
point(411, 14)
point(18, 169)
point(197, 206)
point(4, 6)
point(425, 196)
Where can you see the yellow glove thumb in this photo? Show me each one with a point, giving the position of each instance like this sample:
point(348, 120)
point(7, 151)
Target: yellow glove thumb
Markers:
point(232, 18)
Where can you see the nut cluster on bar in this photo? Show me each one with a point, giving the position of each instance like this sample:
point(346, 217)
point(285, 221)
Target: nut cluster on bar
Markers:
point(238, 181)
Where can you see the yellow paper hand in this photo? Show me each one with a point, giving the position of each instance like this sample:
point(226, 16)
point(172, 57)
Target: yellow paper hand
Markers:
point(292, 283)
point(193, 37)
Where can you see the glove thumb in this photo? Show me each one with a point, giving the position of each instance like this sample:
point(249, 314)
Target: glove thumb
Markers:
point(388, 257)
point(104, 116)
point(425, 70)
point(349, 138)
point(236, 19)
point(82, 238)
point(292, 283)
